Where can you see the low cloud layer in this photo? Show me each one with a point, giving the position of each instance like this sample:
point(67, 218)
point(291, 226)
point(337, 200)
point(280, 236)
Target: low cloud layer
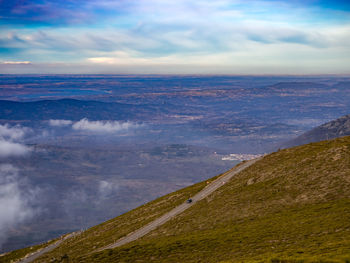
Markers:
point(16, 200)
point(103, 126)
point(12, 133)
point(9, 145)
point(9, 149)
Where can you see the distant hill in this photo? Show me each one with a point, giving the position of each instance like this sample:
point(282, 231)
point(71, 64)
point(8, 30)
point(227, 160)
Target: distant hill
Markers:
point(297, 85)
point(291, 206)
point(330, 130)
point(68, 109)
point(72, 109)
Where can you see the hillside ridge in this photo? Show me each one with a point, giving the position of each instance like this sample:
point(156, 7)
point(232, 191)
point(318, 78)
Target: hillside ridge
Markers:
point(327, 131)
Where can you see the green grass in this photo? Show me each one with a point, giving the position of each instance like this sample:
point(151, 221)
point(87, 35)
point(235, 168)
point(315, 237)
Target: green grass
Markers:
point(292, 205)
point(297, 232)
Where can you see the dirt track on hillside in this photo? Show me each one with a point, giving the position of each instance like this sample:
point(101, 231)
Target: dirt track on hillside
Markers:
point(210, 188)
point(41, 252)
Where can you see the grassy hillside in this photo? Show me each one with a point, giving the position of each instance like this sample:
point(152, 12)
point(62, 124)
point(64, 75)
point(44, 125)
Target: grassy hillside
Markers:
point(293, 204)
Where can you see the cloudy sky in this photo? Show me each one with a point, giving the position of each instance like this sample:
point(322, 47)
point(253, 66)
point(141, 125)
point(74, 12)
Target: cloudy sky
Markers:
point(182, 36)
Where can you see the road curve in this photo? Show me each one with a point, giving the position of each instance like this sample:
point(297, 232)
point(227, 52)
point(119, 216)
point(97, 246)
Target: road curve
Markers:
point(41, 252)
point(210, 188)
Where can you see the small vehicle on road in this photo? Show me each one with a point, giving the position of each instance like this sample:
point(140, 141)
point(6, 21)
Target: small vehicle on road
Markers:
point(189, 201)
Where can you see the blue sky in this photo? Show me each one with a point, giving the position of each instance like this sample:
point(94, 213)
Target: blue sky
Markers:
point(163, 36)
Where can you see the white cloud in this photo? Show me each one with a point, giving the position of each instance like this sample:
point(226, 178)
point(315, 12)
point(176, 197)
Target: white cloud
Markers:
point(103, 126)
point(8, 145)
point(106, 188)
point(103, 60)
point(59, 123)
point(17, 62)
point(15, 202)
point(8, 149)
point(12, 133)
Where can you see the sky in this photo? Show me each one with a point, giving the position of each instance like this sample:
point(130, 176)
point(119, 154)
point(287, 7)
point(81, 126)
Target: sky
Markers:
point(177, 37)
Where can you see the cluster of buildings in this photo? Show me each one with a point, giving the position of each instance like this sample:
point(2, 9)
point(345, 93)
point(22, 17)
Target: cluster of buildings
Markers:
point(240, 157)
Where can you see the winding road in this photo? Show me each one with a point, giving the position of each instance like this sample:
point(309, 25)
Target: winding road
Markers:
point(41, 252)
point(210, 188)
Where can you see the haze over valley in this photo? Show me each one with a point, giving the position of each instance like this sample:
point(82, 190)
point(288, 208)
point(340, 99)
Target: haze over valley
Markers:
point(78, 150)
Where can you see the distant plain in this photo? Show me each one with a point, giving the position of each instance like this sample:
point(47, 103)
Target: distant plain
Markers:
point(165, 132)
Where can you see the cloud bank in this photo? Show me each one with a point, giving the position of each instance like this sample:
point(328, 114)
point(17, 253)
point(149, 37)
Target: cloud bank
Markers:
point(12, 133)
point(8, 141)
point(16, 62)
point(9, 149)
point(16, 200)
point(103, 126)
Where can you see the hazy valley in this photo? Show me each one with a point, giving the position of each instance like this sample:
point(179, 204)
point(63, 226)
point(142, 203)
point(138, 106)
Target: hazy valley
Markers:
point(97, 146)
point(174, 131)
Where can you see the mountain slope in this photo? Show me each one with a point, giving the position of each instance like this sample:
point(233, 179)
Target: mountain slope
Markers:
point(293, 204)
point(330, 130)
